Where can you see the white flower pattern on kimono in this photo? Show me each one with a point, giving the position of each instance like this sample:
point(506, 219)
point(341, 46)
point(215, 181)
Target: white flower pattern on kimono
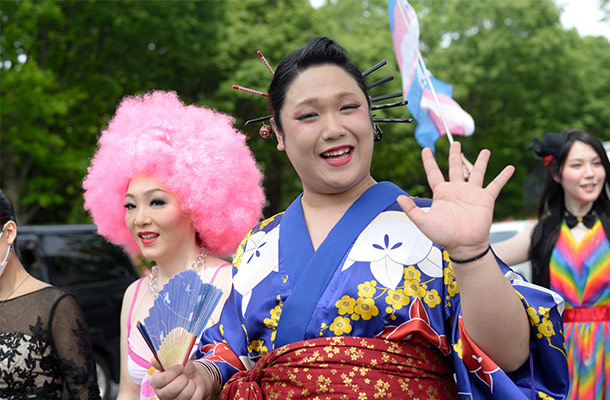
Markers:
point(258, 261)
point(389, 243)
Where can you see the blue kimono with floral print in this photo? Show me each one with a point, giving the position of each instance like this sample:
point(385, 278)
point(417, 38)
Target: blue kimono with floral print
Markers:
point(375, 275)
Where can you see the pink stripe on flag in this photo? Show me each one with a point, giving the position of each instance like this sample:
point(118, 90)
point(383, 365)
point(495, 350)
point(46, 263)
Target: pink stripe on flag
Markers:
point(458, 120)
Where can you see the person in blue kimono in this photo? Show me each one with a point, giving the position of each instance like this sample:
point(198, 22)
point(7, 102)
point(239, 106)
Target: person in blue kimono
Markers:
point(360, 291)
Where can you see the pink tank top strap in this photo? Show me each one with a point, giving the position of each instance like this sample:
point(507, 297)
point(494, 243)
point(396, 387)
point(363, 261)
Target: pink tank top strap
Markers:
point(218, 270)
point(133, 302)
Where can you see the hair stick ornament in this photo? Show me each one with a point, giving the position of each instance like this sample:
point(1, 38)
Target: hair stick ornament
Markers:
point(380, 82)
point(251, 91)
point(374, 67)
point(178, 317)
point(265, 130)
point(265, 118)
point(386, 96)
point(388, 105)
point(264, 60)
point(406, 120)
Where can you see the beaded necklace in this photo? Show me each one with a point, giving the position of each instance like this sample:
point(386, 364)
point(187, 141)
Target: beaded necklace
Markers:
point(153, 279)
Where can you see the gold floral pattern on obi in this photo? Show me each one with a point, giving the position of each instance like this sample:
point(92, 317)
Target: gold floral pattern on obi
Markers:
point(346, 368)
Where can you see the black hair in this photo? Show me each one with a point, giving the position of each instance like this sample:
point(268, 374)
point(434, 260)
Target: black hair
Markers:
point(7, 213)
point(551, 209)
point(318, 51)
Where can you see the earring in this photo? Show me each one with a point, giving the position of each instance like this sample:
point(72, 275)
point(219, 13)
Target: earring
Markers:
point(378, 132)
point(265, 131)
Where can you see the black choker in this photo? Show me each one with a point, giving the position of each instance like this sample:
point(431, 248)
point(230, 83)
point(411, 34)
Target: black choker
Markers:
point(588, 220)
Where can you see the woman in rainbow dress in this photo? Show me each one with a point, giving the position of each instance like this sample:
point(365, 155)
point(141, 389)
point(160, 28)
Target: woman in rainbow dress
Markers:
point(570, 252)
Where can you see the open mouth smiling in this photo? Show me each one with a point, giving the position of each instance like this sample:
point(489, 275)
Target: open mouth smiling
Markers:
point(337, 153)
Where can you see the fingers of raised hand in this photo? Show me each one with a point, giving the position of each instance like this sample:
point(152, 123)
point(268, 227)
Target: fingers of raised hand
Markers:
point(433, 172)
point(479, 168)
point(456, 167)
point(416, 214)
point(499, 181)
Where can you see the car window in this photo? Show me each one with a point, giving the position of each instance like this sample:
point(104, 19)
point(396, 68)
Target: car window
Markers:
point(83, 257)
point(500, 236)
point(30, 258)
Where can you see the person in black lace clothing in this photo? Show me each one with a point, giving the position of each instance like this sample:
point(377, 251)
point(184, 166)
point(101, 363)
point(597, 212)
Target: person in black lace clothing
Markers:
point(44, 342)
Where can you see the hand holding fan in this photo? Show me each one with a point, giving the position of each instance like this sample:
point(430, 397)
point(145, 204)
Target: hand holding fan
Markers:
point(178, 317)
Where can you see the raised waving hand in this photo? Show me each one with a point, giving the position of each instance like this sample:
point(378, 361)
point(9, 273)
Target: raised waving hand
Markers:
point(461, 212)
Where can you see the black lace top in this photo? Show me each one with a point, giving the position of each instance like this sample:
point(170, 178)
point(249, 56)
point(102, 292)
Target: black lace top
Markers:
point(44, 343)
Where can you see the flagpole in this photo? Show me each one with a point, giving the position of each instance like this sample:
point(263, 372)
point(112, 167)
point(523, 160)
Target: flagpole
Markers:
point(422, 65)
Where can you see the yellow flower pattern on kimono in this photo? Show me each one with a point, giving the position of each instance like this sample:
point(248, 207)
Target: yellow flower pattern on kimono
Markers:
point(448, 276)
point(541, 321)
point(239, 254)
point(275, 317)
point(533, 316)
point(340, 326)
point(545, 328)
point(432, 299)
point(412, 274)
point(258, 346)
point(367, 289)
point(345, 305)
point(458, 348)
point(413, 289)
point(274, 314)
point(396, 299)
point(545, 396)
point(365, 308)
point(452, 289)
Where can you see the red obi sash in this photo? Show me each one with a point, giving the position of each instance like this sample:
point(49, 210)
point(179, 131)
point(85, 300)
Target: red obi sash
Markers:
point(346, 368)
point(590, 314)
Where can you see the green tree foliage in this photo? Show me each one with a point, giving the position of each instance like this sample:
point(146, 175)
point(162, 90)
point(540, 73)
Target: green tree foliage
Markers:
point(65, 65)
point(520, 75)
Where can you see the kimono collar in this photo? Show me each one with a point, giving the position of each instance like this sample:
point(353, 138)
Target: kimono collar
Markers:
point(310, 272)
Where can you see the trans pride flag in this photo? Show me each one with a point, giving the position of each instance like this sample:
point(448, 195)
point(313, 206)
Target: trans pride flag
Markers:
point(415, 77)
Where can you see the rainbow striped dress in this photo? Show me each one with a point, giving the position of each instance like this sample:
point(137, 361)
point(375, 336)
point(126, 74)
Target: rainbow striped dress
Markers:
point(580, 272)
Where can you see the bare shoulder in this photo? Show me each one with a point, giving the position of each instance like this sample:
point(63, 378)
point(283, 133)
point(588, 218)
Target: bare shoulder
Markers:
point(130, 292)
point(214, 262)
point(219, 270)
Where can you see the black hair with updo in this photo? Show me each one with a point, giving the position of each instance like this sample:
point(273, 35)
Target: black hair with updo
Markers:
point(318, 51)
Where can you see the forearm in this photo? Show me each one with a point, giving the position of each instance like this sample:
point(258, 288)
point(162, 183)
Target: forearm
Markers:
point(492, 312)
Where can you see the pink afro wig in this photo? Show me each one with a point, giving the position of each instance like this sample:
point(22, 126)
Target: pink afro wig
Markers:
point(193, 151)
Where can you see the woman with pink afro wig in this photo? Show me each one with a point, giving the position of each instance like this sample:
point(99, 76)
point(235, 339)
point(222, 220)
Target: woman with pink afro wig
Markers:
point(178, 184)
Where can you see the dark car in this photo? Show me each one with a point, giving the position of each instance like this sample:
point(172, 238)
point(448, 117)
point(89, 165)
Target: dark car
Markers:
point(78, 260)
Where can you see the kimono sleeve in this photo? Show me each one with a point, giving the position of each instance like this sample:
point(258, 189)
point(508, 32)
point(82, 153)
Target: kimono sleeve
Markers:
point(225, 343)
point(543, 376)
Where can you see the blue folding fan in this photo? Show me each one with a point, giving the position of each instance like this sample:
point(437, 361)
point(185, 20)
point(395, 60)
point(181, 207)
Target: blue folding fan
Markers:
point(178, 317)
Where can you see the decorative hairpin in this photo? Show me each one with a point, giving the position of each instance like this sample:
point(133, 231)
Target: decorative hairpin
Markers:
point(549, 147)
point(265, 130)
